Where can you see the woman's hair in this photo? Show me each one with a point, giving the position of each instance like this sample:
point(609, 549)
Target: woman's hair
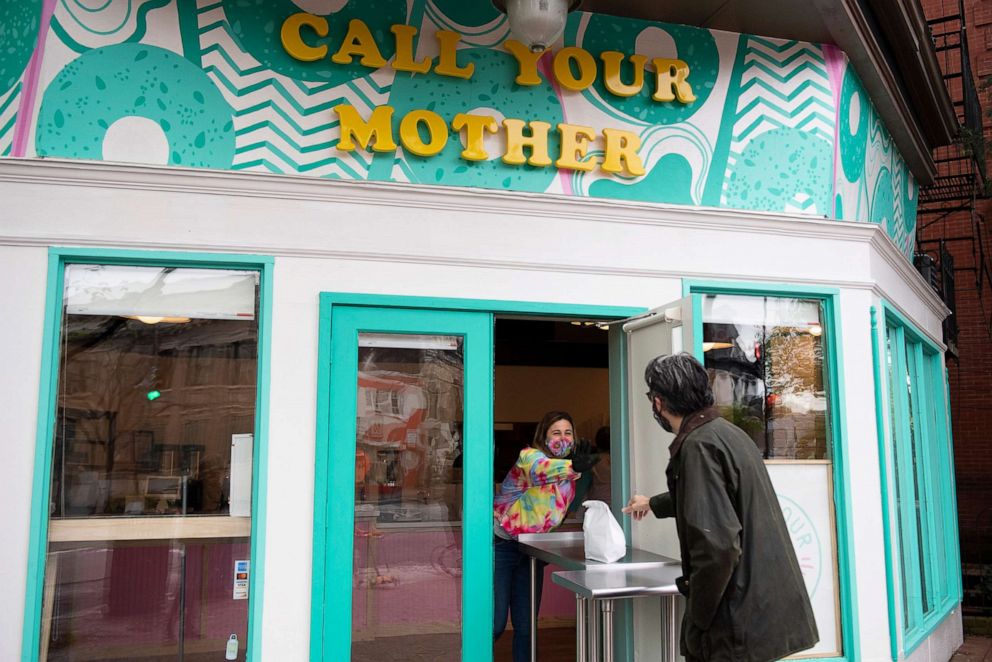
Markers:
point(541, 433)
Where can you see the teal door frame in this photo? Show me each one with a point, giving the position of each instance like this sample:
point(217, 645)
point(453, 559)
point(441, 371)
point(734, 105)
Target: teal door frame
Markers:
point(347, 314)
point(58, 258)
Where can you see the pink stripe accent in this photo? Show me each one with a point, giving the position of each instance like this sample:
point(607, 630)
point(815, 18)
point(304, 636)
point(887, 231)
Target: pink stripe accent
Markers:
point(545, 66)
point(835, 60)
point(25, 113)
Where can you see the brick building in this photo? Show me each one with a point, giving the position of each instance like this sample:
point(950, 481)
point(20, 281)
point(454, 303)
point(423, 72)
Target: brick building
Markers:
point(954, 223)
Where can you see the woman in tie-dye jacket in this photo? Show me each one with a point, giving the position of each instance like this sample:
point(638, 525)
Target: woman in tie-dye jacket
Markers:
point(534, 498)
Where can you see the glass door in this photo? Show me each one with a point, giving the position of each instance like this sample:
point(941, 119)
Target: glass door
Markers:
point(410, 486)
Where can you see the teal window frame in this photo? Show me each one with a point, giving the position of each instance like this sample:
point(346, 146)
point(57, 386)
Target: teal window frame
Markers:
point(58, 258)
point(830, 299)
point(322, 641)
point(933, 445)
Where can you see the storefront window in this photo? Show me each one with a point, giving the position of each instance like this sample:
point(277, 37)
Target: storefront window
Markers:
point(151, 474)
point(764, 356)
point(921, 461)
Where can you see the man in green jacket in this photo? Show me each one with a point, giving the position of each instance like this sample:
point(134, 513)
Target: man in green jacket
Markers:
point(745, 596)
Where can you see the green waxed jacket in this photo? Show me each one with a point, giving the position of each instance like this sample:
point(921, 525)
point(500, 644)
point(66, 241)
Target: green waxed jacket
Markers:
point(745, 596)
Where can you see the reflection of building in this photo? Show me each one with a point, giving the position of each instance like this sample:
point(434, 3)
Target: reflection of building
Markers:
point(143, 401)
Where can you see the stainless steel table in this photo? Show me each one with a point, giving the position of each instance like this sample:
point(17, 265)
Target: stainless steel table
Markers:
point(597, 587)
point(567, 550)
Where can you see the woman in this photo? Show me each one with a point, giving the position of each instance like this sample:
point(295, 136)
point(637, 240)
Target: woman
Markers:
point(534, 498)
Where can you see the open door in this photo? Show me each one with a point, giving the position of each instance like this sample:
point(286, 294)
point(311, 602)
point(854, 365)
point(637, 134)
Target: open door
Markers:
point(667, 329)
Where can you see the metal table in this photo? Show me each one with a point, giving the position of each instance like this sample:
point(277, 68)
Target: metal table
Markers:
point(567, 550)
point(595, 590)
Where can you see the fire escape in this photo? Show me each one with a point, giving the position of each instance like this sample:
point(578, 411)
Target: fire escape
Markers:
point(953, 243)
point(948, 224)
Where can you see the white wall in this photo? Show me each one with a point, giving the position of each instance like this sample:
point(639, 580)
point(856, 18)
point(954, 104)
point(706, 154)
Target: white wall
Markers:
point(22, 302)
point(405, 240)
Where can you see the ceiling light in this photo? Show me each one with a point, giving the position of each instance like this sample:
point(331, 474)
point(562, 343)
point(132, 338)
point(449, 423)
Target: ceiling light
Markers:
point(149, 319)
point(536, 23)
point(707, 346)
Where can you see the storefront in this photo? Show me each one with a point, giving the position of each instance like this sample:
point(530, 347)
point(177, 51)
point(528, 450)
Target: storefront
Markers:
point(289, 290)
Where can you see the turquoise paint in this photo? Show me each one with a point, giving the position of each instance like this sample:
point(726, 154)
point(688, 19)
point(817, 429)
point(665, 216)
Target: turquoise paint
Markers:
point(476, 328)
point(58, 258)
point(19, 23)
point(697, 326)
point(954, 562)
point(925, 356)
point(834, 360)
point(883, 467)
point(755, 288)
point(718, 166)
point(189, 32)
point(834, 357)
point(255, 26)
point(883, 204)
point(322, 460)
point(106, 84)
point(782, 169)
point(669, 181)
point(482, 305)
point(695, 46)
point(260, 461)
point(853, 129)
point(47, 394)
point(491, 87)
point(620, 479)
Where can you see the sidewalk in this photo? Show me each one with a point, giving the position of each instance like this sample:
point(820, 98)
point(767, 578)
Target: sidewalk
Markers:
point(975, 649)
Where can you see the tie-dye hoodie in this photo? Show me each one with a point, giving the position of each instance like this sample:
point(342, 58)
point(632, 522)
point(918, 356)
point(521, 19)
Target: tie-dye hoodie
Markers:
point(535, 494)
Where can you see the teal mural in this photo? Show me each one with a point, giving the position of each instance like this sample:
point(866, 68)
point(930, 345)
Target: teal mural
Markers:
point(134, 80)
point(19, 22)
point(872, 181)
point(776, 125)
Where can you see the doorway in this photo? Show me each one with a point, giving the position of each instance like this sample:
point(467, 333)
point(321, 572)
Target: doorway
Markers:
point(544, 364)
point(406, 360)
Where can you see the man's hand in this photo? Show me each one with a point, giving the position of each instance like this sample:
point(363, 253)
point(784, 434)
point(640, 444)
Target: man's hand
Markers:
point(638, 506)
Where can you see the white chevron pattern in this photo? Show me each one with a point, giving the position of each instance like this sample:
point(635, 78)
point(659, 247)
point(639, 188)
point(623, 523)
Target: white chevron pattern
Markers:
point(281, 124)
point(783, 85)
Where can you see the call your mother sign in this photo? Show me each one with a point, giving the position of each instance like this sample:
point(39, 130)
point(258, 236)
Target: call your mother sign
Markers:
point(438, 92)
point(425, 133)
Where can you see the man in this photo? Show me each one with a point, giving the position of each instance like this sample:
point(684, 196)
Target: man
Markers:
point(745, 596)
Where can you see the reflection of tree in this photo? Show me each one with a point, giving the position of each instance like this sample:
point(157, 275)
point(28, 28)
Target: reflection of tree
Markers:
point(768, 378)
point(204, 374)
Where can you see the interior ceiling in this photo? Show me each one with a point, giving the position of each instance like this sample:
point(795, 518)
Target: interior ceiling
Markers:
point(768, 18)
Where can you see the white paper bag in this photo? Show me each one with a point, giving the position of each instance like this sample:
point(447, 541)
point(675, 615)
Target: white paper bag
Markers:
point(604, 537)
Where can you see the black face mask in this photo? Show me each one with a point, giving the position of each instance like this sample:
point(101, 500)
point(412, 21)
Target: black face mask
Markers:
point(662, 421)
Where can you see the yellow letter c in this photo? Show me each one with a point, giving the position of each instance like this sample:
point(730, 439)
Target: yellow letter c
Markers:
point(293, 42)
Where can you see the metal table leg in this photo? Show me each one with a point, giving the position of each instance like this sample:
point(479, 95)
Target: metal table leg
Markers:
point(581, 636)
point(594, 630)
point(606, 607)
point(670, 629)
point(533, 609)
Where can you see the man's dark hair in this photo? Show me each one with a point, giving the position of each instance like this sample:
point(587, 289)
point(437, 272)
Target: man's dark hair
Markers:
point(680, 381)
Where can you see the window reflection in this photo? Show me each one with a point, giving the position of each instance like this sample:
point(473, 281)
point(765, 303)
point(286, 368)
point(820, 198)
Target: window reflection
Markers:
point(408, 498)
point(146, 409)
point(764, 356)
point(156, 396)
